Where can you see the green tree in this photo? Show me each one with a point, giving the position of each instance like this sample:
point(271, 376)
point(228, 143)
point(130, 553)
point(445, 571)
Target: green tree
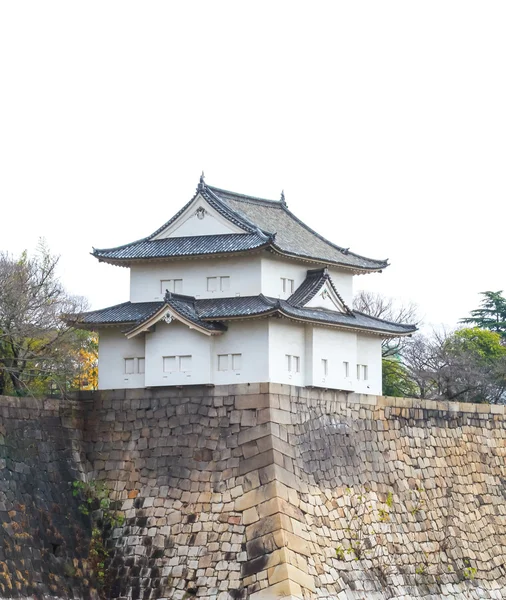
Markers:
point(397, 380)
point(491, 315)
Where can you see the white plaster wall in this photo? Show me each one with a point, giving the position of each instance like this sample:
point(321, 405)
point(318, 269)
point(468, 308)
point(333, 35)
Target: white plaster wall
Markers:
point(326, 298)
point(369, 353)
point(113, 348)
point(244, 273)
point(249, 338)
point(286, 337)
point(272, 271)
point(337, 347)
point(308, 354)
point(343, 281)
point(176, 339)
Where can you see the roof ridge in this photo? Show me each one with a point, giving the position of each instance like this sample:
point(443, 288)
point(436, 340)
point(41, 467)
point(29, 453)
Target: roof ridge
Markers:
point(176, 296)
point(241, 217)
point(108, 307)
point(247, 197)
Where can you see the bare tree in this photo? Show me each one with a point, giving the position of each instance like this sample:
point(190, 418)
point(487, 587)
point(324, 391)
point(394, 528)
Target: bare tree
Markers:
point(467, 365)
point(376, 305)
point(34, 340)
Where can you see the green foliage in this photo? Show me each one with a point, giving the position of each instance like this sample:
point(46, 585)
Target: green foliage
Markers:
point(396, 379)
point(485, 346)
point(418, 501)
point(96, 502)
point(491, 315)
point(340, 553)
point(469, 573)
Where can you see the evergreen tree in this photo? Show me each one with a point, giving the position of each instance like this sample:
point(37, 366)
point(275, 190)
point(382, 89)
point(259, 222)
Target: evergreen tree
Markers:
point(491, 315)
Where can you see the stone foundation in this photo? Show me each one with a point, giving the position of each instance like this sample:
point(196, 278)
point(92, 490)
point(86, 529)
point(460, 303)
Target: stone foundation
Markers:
point(260, 491)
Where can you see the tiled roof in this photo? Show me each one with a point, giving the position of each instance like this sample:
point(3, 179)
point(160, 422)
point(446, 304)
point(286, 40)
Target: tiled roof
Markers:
point(135, 313)
point(188, 246)
point(292, 236)
point(315, 280)
point(125, 313)
point(208, 311)
point(266, 223)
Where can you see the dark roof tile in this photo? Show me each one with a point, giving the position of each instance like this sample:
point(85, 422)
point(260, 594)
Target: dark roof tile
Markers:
point(266, 223)
point(188, 246)
point(292, 236)
point(207, 311)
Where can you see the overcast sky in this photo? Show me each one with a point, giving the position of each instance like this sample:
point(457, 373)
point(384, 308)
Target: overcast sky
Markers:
point(384, 122)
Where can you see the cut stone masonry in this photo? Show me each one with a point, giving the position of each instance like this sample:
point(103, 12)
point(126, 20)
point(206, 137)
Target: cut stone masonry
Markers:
point(249, 491)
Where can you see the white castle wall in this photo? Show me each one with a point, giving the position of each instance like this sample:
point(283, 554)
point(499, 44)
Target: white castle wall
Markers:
point(244, 273)
point(249, 338)
point(263, 344)
point(177, 339)
point(369, 353)
point(249, 276)
point(113, 348)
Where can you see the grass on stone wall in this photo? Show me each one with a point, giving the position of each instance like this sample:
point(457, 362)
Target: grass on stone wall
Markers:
point(96, 502)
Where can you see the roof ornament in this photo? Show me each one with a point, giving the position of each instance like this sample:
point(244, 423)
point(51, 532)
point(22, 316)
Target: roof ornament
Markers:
point(282, 200)
point(167, 296)
point(202, 183)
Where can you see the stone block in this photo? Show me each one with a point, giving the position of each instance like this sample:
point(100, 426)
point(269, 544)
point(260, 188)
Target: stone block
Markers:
point(259, 495)
point(285, 590)
point(254, 433)
point(274, 415)
point(251, 401)
point(286, 571)
point(256, 462)
point(268, 524)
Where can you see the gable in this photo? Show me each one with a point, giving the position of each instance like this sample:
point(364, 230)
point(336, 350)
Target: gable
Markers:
point(326, 298)
point(200, 218)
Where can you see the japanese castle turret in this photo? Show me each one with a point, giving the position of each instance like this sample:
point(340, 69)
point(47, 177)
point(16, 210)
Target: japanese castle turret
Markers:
point(236, 289)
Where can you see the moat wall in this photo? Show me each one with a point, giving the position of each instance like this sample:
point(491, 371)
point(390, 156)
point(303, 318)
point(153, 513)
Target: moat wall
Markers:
point(256, 491)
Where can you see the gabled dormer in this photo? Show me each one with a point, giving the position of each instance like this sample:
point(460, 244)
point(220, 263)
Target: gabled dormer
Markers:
point(318, 291)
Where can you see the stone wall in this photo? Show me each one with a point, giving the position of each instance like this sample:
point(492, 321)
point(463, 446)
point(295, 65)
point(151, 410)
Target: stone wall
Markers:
point(259, 491)
point(44, 538)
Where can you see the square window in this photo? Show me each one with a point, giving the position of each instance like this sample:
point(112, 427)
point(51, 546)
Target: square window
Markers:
point(224, 284)
point(129, 366)
point(236, 362)
point(222, 362)
point(212, 284)
point(169, 364)
point(175, 286)
point(140, 365)
point(185, 363)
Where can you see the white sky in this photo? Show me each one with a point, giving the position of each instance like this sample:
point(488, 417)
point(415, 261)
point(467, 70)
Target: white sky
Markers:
point(384, 122)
